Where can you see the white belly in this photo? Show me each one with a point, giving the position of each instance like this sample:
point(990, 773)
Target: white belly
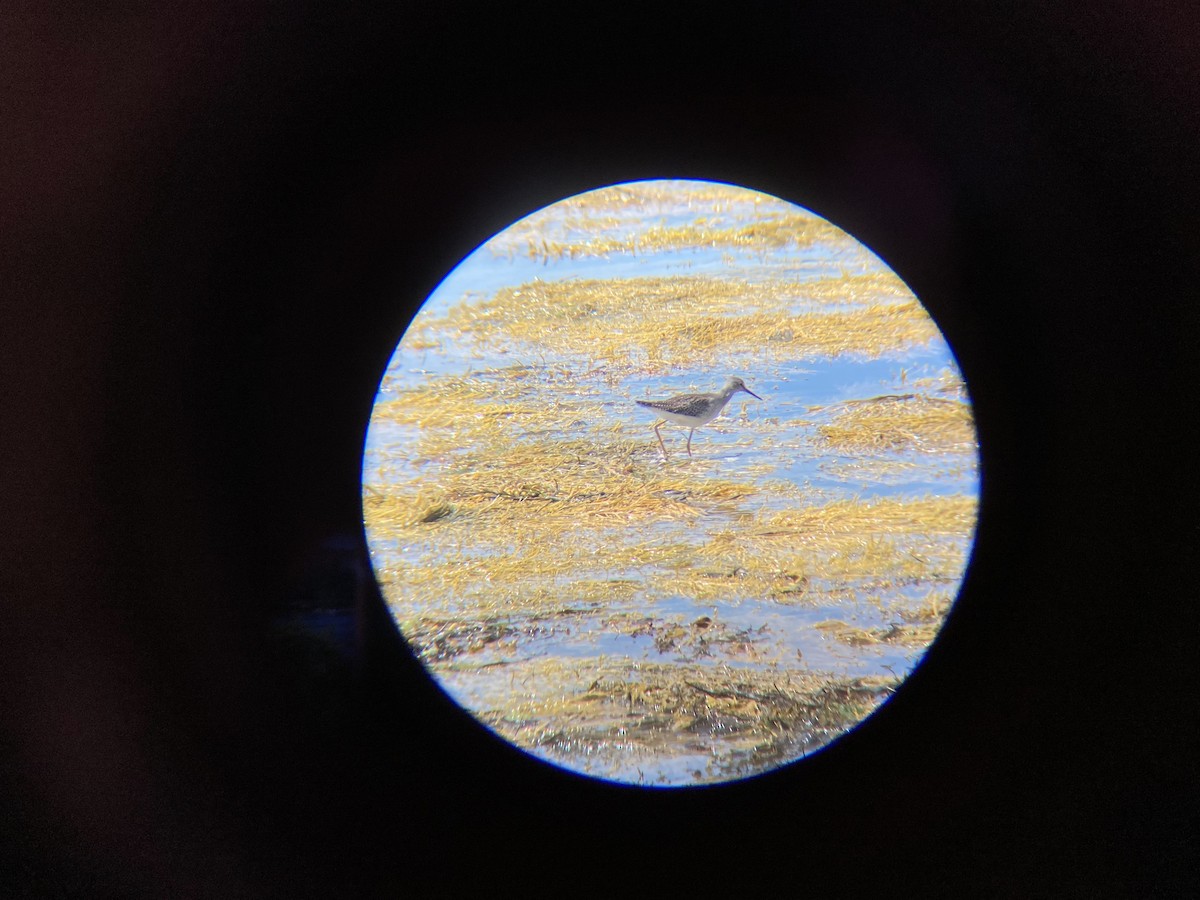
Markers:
point(691, 421)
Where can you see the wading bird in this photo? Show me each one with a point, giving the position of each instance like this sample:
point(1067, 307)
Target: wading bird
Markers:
point(693, 410)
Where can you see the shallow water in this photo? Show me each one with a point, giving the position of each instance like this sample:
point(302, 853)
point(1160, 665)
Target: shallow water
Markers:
point(753, 441)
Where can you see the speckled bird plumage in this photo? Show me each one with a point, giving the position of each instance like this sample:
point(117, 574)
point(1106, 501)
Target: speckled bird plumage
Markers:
point(694, 410)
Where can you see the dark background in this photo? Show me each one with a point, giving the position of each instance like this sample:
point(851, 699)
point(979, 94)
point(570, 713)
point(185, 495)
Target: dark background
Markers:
point(217, 220)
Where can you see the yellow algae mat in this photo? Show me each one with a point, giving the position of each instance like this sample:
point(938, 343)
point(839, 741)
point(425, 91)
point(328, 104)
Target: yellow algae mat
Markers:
point(679, 620)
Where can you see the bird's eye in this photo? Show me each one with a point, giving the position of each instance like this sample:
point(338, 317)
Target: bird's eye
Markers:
point(608, 553)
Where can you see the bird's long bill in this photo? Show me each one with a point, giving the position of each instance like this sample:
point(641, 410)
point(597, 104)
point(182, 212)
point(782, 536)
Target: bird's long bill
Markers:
point(751, 393)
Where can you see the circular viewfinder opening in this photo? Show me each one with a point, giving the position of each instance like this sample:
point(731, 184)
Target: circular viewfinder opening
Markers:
point(671, 483)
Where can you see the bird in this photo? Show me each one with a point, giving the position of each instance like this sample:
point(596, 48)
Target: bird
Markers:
point(693, 410)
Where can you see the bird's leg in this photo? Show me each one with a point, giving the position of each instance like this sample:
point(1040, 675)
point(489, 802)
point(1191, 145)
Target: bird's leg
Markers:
point(657, 426)
point(690, 433)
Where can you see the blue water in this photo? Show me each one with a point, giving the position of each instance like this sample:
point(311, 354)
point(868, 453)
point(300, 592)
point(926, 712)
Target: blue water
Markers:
point(753, 441)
